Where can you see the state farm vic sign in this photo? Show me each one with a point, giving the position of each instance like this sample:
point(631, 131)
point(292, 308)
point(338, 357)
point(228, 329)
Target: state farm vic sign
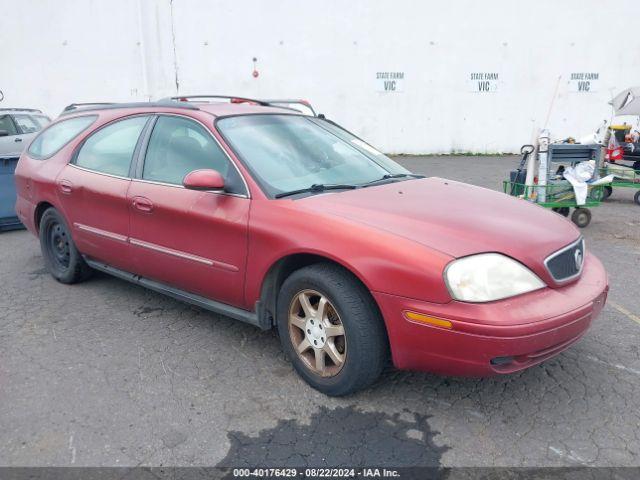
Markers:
point(584, 82)
point(483, 82)
point(390, 82)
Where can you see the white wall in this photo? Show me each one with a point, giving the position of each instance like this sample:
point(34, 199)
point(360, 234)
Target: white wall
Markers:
point(54, 52)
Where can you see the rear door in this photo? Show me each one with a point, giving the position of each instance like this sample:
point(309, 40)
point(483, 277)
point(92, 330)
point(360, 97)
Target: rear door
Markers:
point(27, 127)
point(192, 240)
point(93, 190)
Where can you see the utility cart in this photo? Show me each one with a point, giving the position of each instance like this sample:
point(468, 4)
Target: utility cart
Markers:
point(550, 189)
point(623, 144)
point(624, 177)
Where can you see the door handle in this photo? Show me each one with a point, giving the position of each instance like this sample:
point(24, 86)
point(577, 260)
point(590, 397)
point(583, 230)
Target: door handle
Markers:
point(17, 140)
point(66, 187)
point(142, 204)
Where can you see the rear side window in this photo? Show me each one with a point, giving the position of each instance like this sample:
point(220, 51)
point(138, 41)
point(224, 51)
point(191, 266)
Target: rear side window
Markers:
point(42, 120)
point(51, 140)
point(27, 124)
point(110, 149)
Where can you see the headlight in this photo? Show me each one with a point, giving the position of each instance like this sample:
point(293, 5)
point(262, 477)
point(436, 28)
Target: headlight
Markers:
point(487, 277)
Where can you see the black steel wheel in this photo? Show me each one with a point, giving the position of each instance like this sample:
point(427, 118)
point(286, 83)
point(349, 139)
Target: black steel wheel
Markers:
point(60, 254)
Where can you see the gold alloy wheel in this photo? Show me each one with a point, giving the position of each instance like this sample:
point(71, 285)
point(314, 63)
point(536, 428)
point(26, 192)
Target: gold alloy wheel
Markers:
point(317, 333)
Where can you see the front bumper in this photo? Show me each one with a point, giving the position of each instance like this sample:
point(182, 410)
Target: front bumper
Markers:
point(526, 329)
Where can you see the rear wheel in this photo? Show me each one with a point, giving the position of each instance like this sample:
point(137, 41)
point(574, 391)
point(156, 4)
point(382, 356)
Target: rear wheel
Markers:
point(581, 217)
point(60, 254)
point(636, 197)
point(331, 329)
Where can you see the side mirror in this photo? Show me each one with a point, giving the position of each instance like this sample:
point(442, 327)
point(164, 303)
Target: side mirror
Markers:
point(204, 180)
point(4, 133)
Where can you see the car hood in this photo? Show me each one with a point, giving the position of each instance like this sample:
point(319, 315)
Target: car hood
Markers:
point(452, 217)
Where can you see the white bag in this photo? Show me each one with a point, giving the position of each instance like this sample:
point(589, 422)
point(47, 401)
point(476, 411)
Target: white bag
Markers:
point(578, 177)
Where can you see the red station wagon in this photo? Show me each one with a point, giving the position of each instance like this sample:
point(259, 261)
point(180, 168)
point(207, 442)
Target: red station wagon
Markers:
point(286, 220)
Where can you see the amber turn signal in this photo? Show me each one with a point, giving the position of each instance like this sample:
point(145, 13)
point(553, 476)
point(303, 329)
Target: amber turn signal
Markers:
point(429, 320)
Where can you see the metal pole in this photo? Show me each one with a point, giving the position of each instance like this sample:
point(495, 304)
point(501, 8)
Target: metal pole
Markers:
point(543, 158)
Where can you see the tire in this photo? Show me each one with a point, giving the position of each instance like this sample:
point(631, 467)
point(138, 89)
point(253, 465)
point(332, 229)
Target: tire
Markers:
point(581, 217)
point(606, 192)
point(636, 166)
point(636, 197)
point(60, 254)
point(347, 304)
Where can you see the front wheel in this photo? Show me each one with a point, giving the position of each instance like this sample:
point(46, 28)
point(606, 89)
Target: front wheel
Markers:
point(60, 254)
point(606, 192)
point(331, 330)
point(581, 217)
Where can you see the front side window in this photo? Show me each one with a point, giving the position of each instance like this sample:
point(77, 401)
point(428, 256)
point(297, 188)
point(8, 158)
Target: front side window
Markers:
point(52, 139)
point(178, 146)
point(110, 150)
point(290, 152)
point(7, 125)
point(27, 124)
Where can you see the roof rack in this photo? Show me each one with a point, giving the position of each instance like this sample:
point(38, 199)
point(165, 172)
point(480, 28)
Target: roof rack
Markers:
point(280, 103)
point(20, 110)
point(87, 107)
point(75, 106)
point(185, 101)
point(232, 99)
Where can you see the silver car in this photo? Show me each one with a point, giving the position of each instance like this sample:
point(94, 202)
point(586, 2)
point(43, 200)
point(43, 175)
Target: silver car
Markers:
point(17, 127)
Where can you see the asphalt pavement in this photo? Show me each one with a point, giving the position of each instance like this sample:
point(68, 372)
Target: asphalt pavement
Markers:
point(104, 373)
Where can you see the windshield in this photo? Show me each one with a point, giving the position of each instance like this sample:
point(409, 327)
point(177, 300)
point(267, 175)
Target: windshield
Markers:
point(292, 152)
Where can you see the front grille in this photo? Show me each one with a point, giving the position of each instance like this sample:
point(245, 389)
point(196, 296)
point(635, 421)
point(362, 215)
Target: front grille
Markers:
point(567, 263)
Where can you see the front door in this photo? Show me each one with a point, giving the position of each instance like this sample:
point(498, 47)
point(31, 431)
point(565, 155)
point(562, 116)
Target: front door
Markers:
point(192, 240)
point(11, 142)
point(92, 190)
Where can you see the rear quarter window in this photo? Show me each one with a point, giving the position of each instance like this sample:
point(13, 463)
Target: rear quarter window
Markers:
point(52, 139)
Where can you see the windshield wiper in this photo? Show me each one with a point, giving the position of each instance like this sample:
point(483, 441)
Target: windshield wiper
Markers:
point(317, 187)
point(390, 176)
point(321, 187)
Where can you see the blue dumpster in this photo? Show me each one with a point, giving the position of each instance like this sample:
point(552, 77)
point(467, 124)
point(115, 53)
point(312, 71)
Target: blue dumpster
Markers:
point(8, 218)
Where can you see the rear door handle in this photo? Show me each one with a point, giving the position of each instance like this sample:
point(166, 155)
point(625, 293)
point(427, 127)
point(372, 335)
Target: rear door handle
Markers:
point(142, 204)
point(66, 187)
point(18, 140)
